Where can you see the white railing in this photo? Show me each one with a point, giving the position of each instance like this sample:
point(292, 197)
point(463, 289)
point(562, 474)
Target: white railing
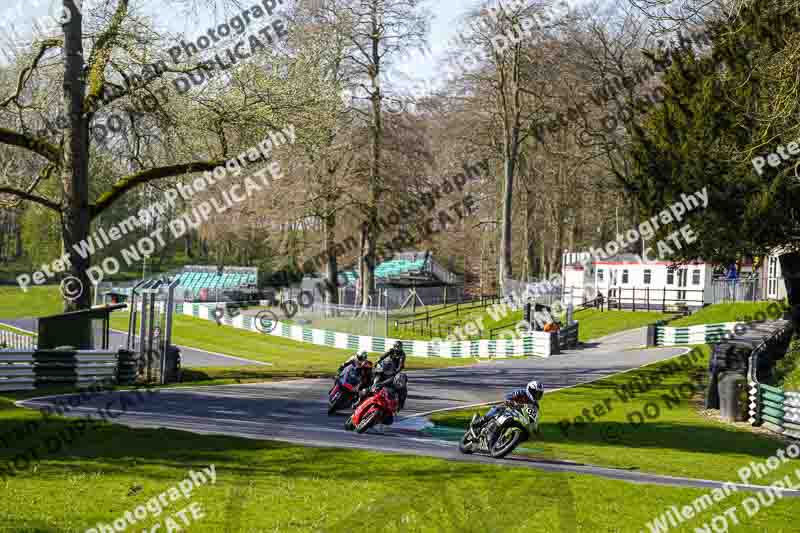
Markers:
point(17, 341)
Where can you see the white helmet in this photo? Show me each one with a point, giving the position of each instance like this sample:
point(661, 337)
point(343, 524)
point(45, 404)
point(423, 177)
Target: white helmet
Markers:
point(534, 390)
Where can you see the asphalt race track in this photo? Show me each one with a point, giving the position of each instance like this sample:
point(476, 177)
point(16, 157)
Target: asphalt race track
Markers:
point(296, 411)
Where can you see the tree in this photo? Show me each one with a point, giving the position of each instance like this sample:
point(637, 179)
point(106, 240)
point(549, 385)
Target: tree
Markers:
point(720, 110)
point(376, 32)
point(114, 72)
point(513, 78)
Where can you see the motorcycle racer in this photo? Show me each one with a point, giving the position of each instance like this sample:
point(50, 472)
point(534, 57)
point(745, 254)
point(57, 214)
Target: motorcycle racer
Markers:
point(355, 359)
point(530, 395)
point(397, 355)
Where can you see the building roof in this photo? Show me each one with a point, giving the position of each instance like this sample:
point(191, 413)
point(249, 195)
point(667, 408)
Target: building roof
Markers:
point(633, 259)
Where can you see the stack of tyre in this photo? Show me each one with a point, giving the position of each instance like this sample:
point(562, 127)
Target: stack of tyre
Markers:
point(729, 367)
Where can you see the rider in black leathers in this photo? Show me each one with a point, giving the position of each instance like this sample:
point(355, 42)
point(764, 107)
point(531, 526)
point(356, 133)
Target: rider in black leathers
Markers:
point(393, 362)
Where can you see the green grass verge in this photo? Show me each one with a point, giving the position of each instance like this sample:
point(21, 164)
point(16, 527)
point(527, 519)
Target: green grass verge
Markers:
point(441, 326)
point(289, 358)
point(728, 312)
point(37, 301)
point(108, 470)
point(595, 324)
point(677, 440)
point(787, 370)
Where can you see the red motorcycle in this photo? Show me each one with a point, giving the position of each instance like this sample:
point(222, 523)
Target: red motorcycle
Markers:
point(345, 392)
point(374, 410)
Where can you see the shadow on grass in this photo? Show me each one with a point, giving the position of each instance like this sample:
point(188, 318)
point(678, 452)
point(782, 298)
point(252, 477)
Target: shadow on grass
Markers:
point(117, 450)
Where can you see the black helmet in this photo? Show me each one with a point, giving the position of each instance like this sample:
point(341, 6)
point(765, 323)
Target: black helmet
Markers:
point(400, 381)
point(534, 390)
point(397, 346)
point(363, 356)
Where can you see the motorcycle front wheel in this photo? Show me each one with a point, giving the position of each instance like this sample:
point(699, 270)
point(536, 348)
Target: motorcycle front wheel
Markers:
point(466, 444)
point(334, 404)
point(506, 442)
point(367, 422)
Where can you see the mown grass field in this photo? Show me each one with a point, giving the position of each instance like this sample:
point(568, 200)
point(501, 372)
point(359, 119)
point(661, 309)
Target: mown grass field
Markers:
point(37, 301)
point(726, 312)
point(266, 486)
point(595, 324)
point(676, 439)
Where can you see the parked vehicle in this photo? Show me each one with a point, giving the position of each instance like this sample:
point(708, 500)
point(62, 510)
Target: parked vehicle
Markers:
point(503, 433)
point(379, 408)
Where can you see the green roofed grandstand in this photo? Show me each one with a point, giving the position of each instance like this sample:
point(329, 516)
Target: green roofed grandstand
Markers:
point(197, 281)
point(409, 268)
point(208, 282)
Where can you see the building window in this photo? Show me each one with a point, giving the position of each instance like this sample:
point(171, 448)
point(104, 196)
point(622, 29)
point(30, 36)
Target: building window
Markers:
point(648, 276)
point(600, 274)
point(624, 276)
point(670, 276)
point(695, 277)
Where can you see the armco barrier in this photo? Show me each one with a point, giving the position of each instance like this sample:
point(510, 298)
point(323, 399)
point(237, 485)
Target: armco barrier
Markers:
point(27, 370)
point(702, 334)
point(535, 343)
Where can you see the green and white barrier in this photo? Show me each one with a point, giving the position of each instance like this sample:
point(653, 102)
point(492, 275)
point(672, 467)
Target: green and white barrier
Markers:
point(702, 334)
point(775, 409)
point(535, 343)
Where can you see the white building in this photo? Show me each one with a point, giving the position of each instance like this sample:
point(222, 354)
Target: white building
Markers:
point(771, 277)
point(627, 282)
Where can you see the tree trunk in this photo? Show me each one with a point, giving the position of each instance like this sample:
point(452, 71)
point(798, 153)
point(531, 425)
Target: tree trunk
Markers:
point(368, 281)
point(75, 170)
point(504, 268)
point(18, 228)
point(361, 263)
point(331, 267)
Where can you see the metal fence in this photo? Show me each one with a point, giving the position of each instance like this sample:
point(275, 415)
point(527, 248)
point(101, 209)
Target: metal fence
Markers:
point(353, 319)
point(739, 290)
point(646, 299)
point(540, 292)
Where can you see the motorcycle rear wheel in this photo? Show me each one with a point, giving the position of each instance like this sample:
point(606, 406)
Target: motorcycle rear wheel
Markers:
point(465, 446)
point(504, 446)
point(367, 422)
